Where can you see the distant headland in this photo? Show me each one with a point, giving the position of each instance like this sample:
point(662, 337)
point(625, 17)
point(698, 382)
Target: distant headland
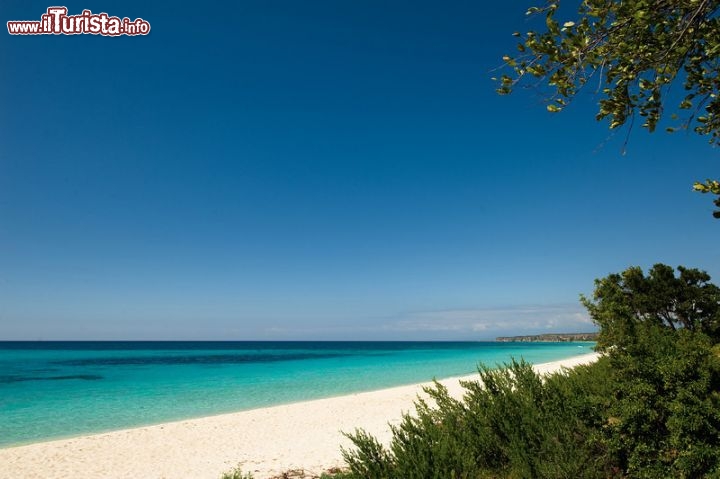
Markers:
point(549, 338)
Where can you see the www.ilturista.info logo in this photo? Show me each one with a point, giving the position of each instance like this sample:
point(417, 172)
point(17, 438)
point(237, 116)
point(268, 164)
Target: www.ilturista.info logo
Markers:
point(57, 22)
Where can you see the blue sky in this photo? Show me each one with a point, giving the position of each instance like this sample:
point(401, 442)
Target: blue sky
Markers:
point(316, 170)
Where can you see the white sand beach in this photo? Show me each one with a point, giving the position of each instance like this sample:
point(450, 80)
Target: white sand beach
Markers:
point(265, 442)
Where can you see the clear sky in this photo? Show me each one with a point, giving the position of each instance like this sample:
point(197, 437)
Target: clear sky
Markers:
point(274, 169)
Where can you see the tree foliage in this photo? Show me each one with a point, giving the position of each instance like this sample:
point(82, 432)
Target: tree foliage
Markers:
point(711, 186)
point(633, 50)
point(625, 304)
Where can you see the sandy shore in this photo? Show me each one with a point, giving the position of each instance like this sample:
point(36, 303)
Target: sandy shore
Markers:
point(265, 441)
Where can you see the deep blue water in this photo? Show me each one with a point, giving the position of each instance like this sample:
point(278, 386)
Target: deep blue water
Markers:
point(50, 390)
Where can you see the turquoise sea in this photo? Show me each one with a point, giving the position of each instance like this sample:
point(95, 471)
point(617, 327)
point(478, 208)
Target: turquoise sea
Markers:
point(51, 390)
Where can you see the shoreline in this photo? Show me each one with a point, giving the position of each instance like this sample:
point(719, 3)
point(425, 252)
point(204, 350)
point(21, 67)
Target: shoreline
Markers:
point(265, 442)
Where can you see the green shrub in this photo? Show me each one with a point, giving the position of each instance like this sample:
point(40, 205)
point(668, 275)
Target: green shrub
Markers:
point(236, 474)
point(514, 425)
point(656, 417)
point(667, 405)
point(337, 474)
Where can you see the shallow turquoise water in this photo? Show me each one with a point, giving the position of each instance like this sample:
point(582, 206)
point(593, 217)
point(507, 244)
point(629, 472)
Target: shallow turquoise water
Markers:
point(61, 389)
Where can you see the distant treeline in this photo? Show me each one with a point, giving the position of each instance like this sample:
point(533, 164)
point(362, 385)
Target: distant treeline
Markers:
point(550, 338)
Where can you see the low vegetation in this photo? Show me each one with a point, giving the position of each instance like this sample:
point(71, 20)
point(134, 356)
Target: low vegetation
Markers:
point(236, 474)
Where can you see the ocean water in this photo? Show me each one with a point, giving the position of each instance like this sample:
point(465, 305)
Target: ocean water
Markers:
point(51, 390)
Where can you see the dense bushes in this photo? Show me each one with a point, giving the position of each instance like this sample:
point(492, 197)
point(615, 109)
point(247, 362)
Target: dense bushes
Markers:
point(667, 406)
point(650, 408)
point(514, 425)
